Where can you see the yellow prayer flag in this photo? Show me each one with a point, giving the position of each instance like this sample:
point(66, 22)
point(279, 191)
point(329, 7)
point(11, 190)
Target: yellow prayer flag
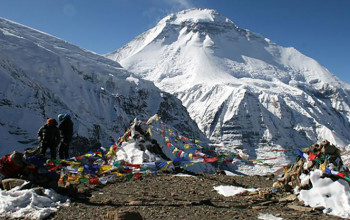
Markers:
point(73, 179)
point(189, 164)
point(175, 150)
point(72, 163)
point(166, 166)
point(105, 168)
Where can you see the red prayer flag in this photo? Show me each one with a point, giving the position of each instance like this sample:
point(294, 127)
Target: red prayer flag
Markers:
point(278, 150)
point(55, 168)
point(138, 166)
point(342, 175)
point(137, 175)
point(312, 156)
point(50, 164)
point(93, 180)
point(211, 159)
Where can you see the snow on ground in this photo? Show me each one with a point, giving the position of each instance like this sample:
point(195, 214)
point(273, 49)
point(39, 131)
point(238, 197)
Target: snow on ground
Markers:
point(229, 173)
point(231, 190)
point(184, 175)
point(334, 196)
point(27, 203)
point(131, 153)
point(268, 217)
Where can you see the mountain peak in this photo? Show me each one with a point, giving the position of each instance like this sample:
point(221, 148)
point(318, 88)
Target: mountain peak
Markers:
point(196, 40)
point(240, 88)
point(199, 20)
point(196, 15)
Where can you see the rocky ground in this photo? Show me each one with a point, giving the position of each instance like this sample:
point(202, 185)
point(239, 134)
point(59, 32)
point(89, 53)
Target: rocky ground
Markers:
point(166, 196)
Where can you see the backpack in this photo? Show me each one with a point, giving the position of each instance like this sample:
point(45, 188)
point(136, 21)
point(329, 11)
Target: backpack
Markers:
point(11, 164)
point(34, 151)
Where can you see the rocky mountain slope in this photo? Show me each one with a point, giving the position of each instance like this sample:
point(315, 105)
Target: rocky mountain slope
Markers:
point(242, 89)
point(42, 76)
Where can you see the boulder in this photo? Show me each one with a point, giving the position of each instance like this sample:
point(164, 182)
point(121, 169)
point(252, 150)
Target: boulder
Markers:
point(289, 198)
point(300, 208)
point(12, 183)
point(124, 215)
point(128, 215)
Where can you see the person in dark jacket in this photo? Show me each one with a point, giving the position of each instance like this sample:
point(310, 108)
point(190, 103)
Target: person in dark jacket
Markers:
point(66, 132)
point(49, 137)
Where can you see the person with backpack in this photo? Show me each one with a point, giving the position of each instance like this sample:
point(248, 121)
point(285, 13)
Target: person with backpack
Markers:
point(66, 133)
point(49, 137)
point(11, 165)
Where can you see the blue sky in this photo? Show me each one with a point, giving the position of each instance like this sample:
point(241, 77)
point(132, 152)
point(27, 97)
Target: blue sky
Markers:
point(317, 28)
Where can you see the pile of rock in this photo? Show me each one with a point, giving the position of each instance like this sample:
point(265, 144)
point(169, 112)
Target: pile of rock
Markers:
point(324, 156)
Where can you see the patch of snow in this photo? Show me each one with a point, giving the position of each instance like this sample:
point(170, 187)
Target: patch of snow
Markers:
point(231, 190)
point(304, 179)
point(17, 203)
point(133, 79)
point(194, 16)
point(6, 32)
point(229, 173)
point(131, 153)
point(184, 175)
point(334, 196)
point(268, 217)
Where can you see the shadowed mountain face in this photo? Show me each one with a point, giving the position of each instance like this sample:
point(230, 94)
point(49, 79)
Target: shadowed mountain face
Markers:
point(242, 89)
point(42, 76)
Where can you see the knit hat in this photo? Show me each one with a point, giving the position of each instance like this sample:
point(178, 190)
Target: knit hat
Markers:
point(60, 117)
point(67, 116)
point(51, 121)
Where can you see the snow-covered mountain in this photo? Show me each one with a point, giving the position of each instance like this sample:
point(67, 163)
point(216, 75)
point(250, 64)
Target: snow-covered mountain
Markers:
point(42, 76)
point(242, 89)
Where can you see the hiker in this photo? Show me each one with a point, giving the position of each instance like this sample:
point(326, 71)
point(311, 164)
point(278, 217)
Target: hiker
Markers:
point(11, 165)
point(66, 133)
point(49, 137)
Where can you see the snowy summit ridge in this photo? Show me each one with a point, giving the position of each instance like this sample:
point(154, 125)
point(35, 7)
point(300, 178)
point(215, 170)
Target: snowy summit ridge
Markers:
point(215, 36)
point(242, 89)
point(197, 16)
